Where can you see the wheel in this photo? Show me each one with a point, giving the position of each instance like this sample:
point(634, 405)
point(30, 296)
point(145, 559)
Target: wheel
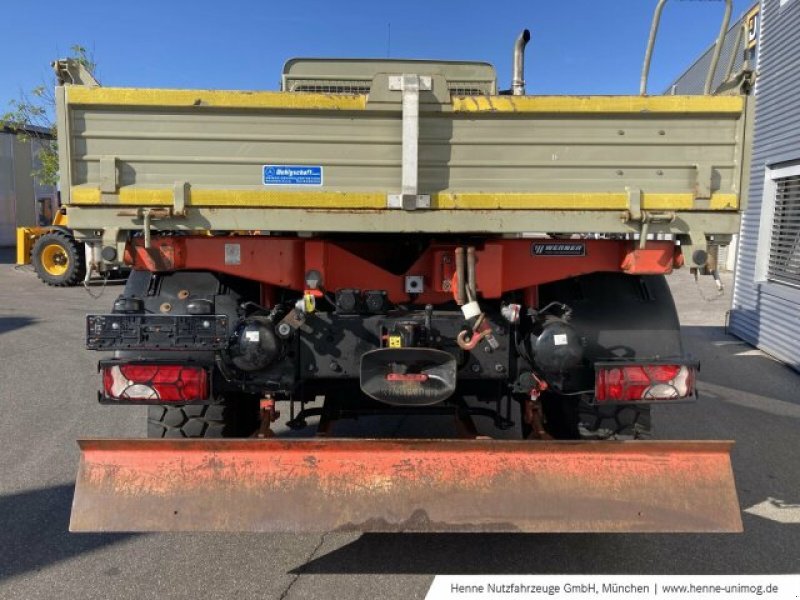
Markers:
point(615, 422)
point(58, 259)
point(230, 419)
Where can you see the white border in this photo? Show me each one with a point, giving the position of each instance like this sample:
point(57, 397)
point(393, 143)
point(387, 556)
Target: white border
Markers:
point(321, 176)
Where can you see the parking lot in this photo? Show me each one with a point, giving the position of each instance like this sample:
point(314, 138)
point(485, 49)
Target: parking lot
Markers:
point(48, 400)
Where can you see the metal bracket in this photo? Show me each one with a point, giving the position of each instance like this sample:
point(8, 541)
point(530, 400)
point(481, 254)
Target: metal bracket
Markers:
point(635, 214)
point(179, 193)
point(109, 177)
point(72, 72)
point(410, 85)
point(694, 246)
point(702, 185)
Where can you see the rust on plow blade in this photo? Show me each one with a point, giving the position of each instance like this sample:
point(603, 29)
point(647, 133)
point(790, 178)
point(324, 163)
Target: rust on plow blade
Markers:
point(404, 485)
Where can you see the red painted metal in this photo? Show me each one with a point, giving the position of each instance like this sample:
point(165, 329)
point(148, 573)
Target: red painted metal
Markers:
point(655, 258)
point(404, 485)
point(503, 265)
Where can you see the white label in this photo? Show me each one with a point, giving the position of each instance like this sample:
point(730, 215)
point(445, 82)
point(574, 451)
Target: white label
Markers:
point(251, 336)
point(233, 254)
point(560, 339)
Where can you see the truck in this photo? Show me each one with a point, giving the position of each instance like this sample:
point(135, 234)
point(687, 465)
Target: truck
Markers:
point(399, 237)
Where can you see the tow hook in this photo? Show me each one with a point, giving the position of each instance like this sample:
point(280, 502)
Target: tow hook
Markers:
point(480, 331)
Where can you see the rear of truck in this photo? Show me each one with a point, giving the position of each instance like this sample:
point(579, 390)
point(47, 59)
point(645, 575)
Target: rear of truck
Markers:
point(399, 238)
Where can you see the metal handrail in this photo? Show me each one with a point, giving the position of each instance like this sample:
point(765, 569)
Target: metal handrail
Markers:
point(652, 41)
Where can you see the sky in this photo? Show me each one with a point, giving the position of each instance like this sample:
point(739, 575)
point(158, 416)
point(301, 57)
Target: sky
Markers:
point(577, 46)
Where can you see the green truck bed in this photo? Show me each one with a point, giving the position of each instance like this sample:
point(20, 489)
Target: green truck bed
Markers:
point(486, 163)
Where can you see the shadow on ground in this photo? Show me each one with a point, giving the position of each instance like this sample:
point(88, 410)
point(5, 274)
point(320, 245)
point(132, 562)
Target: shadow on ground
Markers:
point(11, 323)
point(727, 361)
point(34, 531)
point(392, 553)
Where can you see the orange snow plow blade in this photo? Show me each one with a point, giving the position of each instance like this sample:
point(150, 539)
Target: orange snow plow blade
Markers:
point(404, 485)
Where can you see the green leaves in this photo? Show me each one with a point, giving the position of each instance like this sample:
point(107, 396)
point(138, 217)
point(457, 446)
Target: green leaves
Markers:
point(32, 117)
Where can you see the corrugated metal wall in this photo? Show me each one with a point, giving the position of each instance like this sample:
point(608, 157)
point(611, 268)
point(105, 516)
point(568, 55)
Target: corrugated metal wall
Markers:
point(7, 190)
point(768, 314)
point(691, 81)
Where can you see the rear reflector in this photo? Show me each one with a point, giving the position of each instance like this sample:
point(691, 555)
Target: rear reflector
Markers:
point(644, 383)
point(154, 383)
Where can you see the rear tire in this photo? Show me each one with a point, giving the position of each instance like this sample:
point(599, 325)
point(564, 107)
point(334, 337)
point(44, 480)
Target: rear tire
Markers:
point(58, 259)
point(565, 418)
point(232, 419)
point(615, 422)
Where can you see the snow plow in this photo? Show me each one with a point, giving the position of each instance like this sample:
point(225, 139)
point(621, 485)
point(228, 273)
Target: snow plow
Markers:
point(399, 238)
point(404, 485)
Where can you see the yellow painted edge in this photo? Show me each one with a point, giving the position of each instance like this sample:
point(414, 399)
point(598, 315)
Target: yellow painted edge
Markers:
point(599, 104)
point(82, 195)
point(109, 96)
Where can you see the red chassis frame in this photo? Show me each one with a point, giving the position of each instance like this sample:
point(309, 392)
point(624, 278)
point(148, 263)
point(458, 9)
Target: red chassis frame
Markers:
point(502, 265)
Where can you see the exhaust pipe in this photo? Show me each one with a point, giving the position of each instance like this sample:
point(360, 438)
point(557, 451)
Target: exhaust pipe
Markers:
point(518, 76)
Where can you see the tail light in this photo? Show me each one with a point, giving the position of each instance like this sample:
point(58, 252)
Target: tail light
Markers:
point(644, 383)
point(155, 383)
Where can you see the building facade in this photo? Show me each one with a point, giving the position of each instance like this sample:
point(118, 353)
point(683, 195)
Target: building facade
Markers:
point(766, 296)
point(24, 201)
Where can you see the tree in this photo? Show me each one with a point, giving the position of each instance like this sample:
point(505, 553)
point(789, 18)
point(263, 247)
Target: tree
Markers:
point(32, 118)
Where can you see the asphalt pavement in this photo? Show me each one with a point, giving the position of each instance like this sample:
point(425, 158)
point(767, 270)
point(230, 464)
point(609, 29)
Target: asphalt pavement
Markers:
point(48, 387)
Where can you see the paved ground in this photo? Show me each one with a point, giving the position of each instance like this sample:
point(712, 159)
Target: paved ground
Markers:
point(47, 400)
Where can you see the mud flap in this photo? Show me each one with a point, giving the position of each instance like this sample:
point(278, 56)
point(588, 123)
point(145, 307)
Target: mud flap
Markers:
point(404, 485)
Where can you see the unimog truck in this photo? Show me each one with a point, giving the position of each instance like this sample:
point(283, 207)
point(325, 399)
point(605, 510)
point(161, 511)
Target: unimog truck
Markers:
point(398, 237)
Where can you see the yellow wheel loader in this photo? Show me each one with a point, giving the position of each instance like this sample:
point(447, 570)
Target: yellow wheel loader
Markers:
point(57, 257)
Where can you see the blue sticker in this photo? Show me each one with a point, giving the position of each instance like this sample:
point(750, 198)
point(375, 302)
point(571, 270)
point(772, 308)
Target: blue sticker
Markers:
point(292, 175)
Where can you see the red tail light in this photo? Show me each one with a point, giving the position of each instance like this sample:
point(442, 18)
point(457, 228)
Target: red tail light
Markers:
point(155, 383)
point(643, 383)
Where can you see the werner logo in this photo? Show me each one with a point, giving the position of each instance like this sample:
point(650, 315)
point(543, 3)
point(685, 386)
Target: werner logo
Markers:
point(292, 175)
point(558, 249)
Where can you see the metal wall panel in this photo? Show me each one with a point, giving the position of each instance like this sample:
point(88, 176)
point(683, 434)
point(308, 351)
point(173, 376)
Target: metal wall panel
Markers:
point(766, 315)
point(693, 79)
point(362, 152)
point(7, 192)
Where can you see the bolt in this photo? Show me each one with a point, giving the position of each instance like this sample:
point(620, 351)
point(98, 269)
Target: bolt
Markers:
point(499, 368)
point(476, 368)
point(487, 349)
point(115, 326)
point(335, 367)
point(284, 329)
point(206, 324)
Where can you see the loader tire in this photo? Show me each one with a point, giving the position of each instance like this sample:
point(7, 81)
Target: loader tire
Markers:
point(614, 422)
point(201, 421)
point(58, 259)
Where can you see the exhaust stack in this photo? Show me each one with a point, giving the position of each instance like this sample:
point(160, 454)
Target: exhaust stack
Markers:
point(518, 76)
